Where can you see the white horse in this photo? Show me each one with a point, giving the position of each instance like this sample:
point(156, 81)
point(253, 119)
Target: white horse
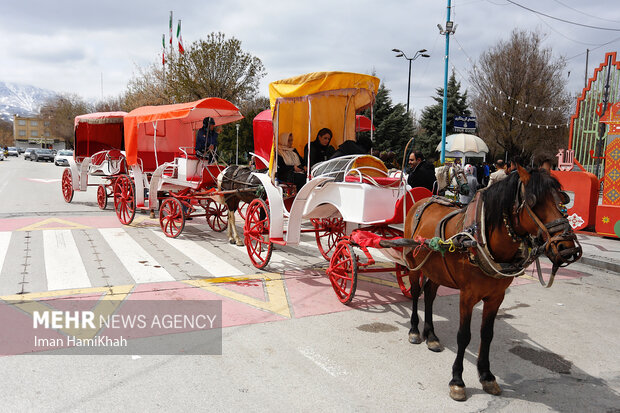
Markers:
point(451, 179)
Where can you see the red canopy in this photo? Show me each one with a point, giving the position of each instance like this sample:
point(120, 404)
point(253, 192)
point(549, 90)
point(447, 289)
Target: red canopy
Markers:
point(174, 124)
point(94, 132)
point(363, 124)
point(263, 136)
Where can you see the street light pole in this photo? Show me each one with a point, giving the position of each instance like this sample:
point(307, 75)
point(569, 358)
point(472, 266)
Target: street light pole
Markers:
point(450, 28)
point(237, 156)
point(419, 53)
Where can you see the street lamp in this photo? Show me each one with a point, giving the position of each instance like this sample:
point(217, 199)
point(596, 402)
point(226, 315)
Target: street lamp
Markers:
point(421, 52)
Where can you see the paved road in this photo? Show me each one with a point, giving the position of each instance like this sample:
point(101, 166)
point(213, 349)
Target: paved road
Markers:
point(288, 344)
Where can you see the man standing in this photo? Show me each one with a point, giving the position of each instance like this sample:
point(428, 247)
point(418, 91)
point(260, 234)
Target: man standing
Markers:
point(421, 173)
point(499, 174)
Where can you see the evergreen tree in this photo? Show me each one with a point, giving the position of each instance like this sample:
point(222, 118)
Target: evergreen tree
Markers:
point(431, 120)
point(394, 127)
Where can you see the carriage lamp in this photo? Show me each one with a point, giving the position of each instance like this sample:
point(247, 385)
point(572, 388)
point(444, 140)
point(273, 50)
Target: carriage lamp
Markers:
point(421, 52)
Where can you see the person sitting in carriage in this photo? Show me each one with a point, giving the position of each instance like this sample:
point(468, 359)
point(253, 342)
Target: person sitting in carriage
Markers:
point(360, 147)
point(320, 149)
point(290, 168)
point(421, 173)
point(206, 139)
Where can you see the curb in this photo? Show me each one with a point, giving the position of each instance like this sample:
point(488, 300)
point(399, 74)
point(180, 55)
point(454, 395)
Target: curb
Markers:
point(600, 263)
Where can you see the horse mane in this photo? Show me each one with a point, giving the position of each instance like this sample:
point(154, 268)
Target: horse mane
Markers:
point(500, 197)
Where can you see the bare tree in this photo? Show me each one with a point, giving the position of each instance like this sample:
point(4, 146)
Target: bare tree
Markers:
point(61, 112)
point(6, 133)
point(215, 67)
point(520, 98)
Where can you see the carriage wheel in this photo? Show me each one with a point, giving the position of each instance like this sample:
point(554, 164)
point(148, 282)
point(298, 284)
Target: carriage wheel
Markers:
point(217, 216)
point(124, 199)
point(328, 232)
point(102, 197)
point(171, 217)
point(243, 209)
point(342, 272)
point(256, 233)
point(67, 185)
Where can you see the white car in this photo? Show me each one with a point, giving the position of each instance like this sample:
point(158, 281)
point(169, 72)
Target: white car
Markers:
point(62, 157)
point(13, 151)
point(28, 152)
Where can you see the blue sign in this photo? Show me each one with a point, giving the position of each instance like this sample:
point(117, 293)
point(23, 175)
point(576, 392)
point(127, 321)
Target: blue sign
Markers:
point(466, 124)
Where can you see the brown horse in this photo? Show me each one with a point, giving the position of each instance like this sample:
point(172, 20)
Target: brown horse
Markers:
point(237, 184)
point(503, 230)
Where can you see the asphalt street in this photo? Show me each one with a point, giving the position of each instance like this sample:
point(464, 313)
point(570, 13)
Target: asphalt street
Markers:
point(288, 344)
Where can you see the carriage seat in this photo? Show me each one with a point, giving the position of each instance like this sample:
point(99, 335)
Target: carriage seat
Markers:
point(109, 162)
point(408, 199)
point(372, 171)
point(378, 180)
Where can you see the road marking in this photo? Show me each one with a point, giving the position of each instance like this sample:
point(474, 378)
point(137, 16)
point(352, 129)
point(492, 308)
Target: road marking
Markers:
point(63, 263)
point(45, 181)
point(323, 362)
point(5, 239)
point(213, 264)
point(53, 223)
point(139, 263)
point(275, 291)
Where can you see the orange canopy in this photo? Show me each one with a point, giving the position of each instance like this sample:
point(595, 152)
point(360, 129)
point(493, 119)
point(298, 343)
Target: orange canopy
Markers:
point(159, 131)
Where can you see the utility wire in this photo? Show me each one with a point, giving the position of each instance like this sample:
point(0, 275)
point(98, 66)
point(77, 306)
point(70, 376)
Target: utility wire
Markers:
point(584, 13)
point(563, 20)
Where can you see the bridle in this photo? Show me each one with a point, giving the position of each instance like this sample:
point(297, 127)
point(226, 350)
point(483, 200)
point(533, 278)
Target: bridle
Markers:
point(550, 235)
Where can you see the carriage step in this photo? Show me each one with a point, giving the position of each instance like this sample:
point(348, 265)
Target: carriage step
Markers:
point(278, 241)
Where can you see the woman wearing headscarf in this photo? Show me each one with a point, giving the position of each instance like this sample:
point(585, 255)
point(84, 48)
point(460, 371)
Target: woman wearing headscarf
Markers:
point(320, 149)
point(290, 168)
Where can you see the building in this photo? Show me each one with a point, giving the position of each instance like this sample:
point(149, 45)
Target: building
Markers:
point(29, 132)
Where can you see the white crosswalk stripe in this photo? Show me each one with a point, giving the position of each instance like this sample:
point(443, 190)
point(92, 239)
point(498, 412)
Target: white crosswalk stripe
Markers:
point(63, 265)
point(213, 264)
point(140, 264)
point(5, 238)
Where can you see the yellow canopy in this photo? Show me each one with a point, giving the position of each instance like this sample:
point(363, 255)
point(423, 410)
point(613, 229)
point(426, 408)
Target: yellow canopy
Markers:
point(305, 104)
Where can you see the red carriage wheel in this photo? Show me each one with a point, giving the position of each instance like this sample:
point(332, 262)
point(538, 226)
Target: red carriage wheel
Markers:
point(171, 217)
point(328, 232)
point(102, 196)
point(342, 271)
point(217, 216)
point(242, 209)
point(256, 233)
point(67, 185)
point(124, 199)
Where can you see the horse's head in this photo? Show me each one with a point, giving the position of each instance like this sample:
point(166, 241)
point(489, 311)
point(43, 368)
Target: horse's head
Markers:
point(532, 206)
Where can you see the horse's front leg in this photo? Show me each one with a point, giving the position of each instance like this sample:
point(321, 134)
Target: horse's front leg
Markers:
point(414, 332)
point(430, 293)
point(232, 223)
point(489, 311)
point(457, 385)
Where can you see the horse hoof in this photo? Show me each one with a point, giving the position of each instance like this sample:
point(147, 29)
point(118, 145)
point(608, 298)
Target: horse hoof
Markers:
point(434, 346)
point(491, 387)
point(240, 243)
point(415, 338)
point(458, 393)
point(231, 241)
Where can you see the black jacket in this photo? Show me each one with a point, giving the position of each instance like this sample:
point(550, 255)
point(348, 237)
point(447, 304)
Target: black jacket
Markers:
point(348, 148)
point(318, 153)
point(423, 175)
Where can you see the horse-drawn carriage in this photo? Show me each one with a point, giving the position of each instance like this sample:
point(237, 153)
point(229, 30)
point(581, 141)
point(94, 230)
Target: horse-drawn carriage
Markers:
point(98, 153)
point(342, 193)
point(166, 174)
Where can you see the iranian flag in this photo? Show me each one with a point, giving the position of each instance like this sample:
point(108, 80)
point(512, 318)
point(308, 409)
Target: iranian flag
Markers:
point(180, 39)
point(170, 25)
point(163, 52)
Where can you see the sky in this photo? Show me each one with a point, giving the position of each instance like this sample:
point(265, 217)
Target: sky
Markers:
point(93, 49)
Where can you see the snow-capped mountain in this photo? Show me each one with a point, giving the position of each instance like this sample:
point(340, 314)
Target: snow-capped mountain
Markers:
point(20, 99)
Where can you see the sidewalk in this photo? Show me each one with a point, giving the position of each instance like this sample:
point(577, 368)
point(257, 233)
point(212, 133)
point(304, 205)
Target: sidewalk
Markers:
point(598, 251)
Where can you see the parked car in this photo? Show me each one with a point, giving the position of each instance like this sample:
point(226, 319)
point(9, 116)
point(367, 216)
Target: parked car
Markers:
point(62, 157)
point(28, 152)
point(42, 155)
point(21, 150)
point(1, 155)
point(13, 151)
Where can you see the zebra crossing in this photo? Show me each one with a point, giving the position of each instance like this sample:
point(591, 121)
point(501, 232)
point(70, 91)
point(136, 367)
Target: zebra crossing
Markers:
point(61, 259)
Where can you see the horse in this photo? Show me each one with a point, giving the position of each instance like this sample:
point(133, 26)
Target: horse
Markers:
point(452, 179)
point(236, 184)
point(501, 232)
